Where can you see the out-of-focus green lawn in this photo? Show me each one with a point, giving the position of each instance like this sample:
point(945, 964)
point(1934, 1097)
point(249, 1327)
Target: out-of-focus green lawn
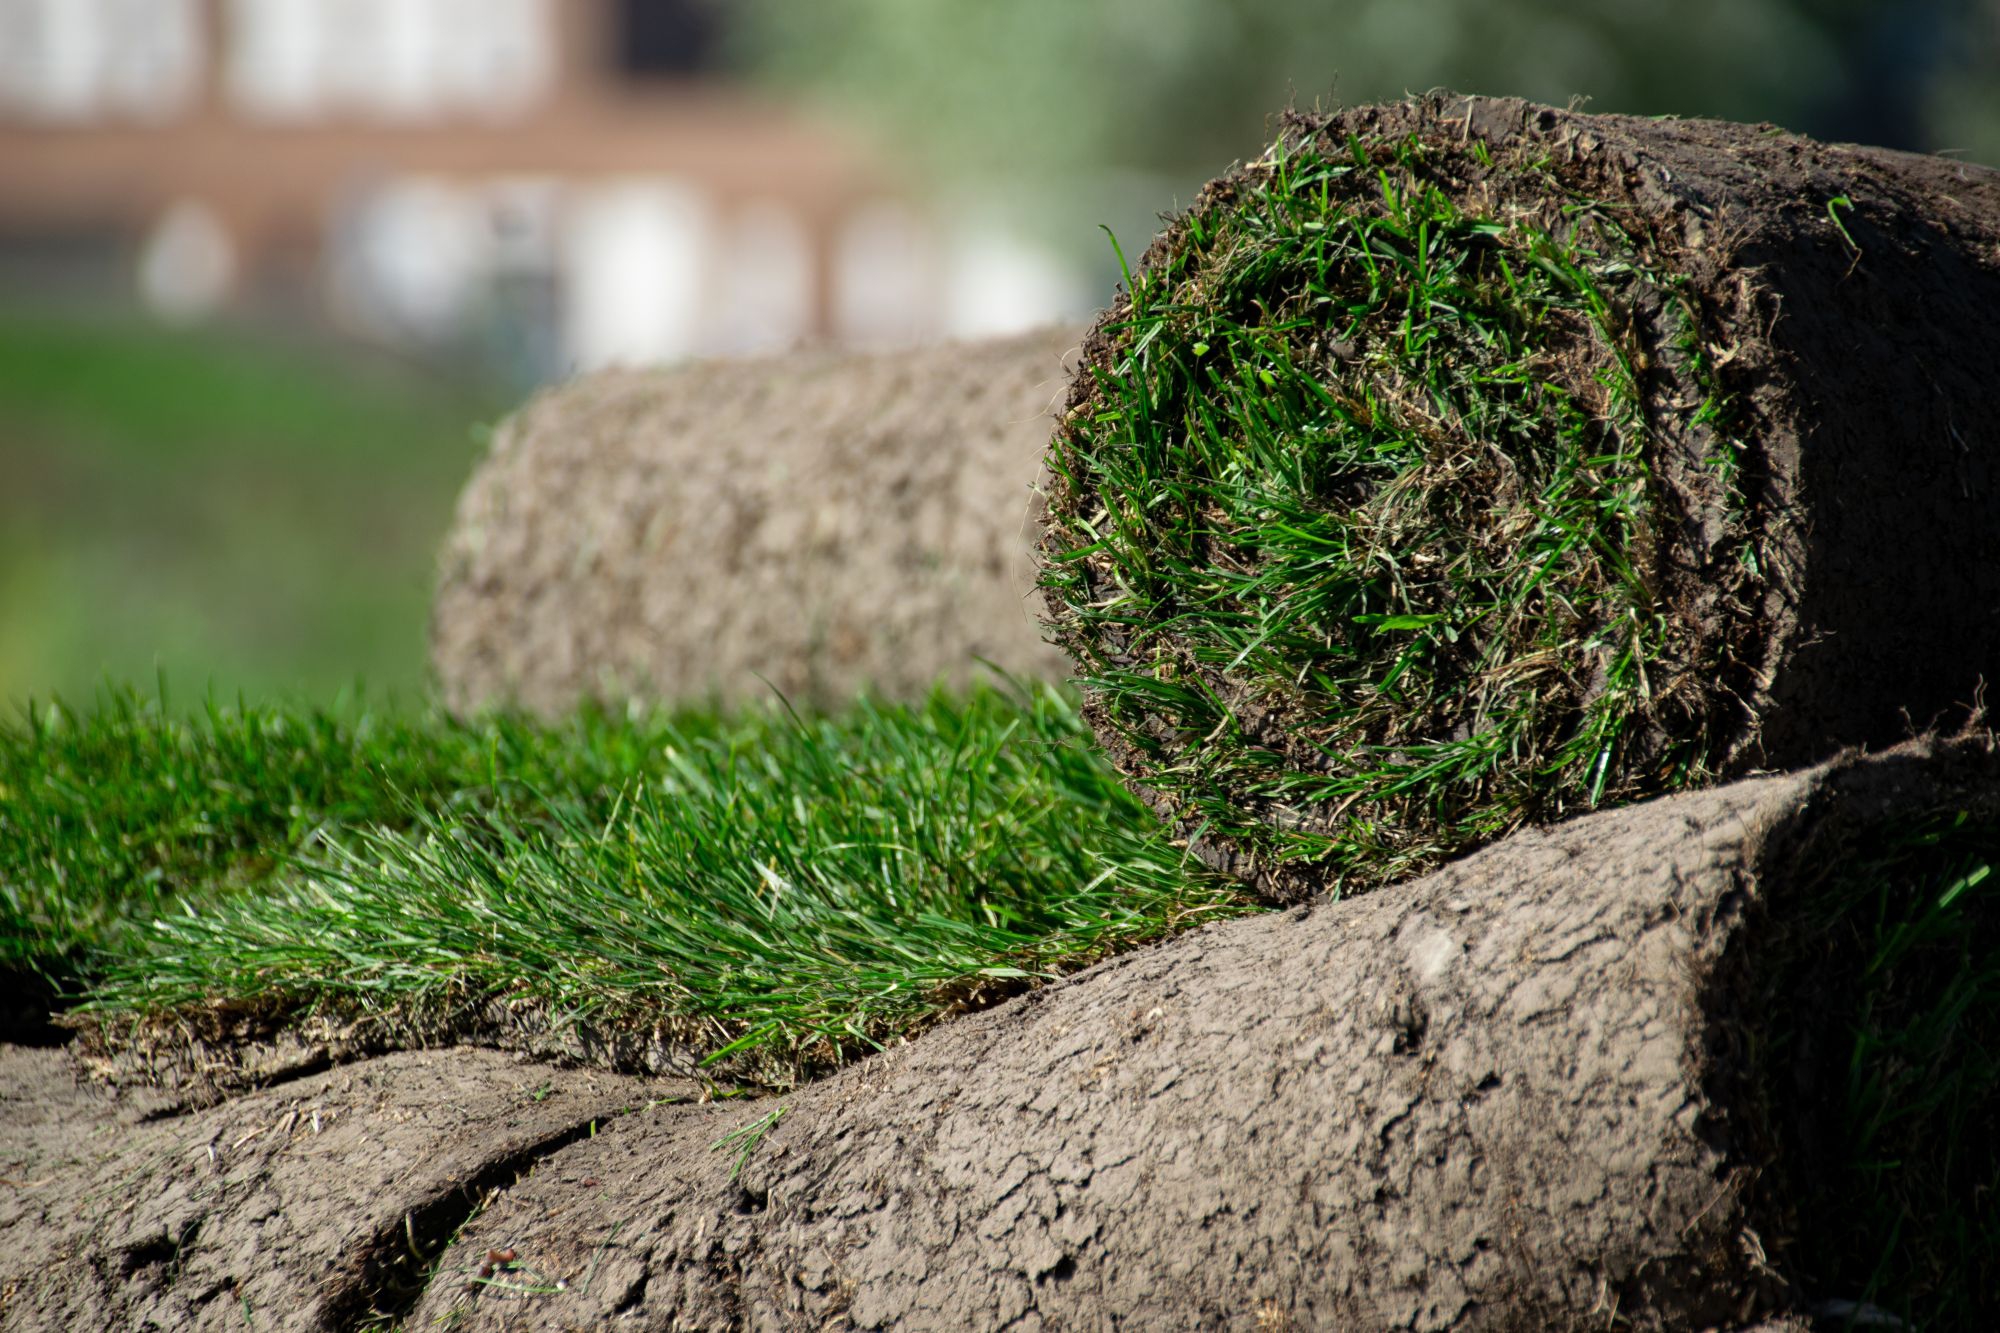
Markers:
point(241, 511)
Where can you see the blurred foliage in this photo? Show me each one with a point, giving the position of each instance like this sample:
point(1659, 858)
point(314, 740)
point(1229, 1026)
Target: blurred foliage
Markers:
point(240, 511)
point(1962, 106)
point(1068, 94)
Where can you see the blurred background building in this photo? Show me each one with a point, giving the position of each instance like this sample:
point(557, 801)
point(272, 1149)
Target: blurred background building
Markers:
point(270, 268)
point(563, 185)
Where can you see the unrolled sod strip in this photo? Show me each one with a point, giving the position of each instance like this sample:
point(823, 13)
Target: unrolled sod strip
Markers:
point(1462, 463)
point(1690, 1064)
point(817, 523)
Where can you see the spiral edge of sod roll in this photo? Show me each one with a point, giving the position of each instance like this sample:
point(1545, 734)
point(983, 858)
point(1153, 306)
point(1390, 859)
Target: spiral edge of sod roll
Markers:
point(1361, 531)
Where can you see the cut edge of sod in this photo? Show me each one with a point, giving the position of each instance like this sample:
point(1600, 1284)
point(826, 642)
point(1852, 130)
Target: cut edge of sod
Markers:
point(1855, 1026)
point(759, 904)
point(1358, 528)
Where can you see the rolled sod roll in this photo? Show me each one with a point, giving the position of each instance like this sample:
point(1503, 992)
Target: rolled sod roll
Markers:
point(1462, 462)
point(817, 523)
point(1699, 1063)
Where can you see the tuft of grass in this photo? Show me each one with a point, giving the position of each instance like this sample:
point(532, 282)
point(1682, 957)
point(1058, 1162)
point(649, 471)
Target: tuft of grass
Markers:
point(1359, 530)
point(773, 891)
point(110, 815)
point(1880, 1082)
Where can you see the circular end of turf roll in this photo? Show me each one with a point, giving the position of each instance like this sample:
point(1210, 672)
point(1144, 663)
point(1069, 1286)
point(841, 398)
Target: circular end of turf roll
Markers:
point(1367, 527)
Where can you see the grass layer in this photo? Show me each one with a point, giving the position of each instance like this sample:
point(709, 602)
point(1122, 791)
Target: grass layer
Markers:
point(110, 815)
point(1358, 527)
point(782, 890)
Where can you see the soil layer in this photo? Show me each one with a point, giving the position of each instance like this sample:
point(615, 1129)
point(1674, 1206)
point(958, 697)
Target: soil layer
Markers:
point(313, 1203)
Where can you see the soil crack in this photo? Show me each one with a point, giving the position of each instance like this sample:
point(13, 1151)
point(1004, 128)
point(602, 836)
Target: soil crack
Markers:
point(389, 1272)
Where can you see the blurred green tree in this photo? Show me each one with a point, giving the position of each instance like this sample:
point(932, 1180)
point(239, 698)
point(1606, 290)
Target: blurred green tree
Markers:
point(1073, 109)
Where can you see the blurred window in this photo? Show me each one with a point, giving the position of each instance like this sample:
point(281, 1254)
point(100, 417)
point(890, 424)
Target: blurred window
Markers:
point(635, 258)
point(396, 59)
point(886, 272)
point(81, 60)
point(997, 283)
point(764, 277)
point(668, 37)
